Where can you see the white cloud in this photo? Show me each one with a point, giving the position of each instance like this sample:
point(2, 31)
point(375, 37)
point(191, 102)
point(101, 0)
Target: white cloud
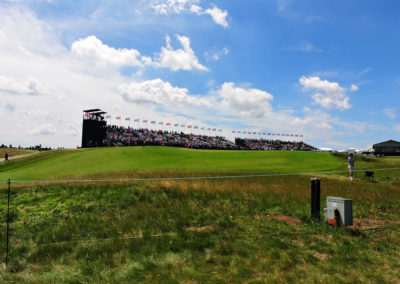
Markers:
point(397, 128)
point(178, 59)
point(167, 7)
point(218, 16)
point(31, 87)
point(160, 93)
point(354, 88)
point(390, 112)
point(38, 112)
point(324, 125)
point(245, 102)
point(332, 96)
point(217, 54)
point(44, 129)
point(93, 48)
point(103, 55)
point(196, 9)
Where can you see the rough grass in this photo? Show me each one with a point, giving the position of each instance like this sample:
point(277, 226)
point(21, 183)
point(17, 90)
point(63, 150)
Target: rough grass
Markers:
point(156, 161)
point(199, 231)
point(14, 151)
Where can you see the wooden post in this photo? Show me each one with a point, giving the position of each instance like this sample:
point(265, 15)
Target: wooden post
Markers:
point(8, 219)
point(315, 198)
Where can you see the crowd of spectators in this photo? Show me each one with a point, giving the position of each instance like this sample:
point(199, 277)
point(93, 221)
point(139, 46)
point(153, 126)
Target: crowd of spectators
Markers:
point(126, 136)
point(121, 136)
point(265, 144)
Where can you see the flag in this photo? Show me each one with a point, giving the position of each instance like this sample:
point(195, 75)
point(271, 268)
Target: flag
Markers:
point(239, 132)
point(264, 133)
point(136, 120)
point(128, 118)
point(254, 132)
point(108, 116)
point(273, 134)
point(269, 134)
point(301, 135)
point(153, 122)
point(208, 128)
point(233, 131)
point(259, 133)
point(189, 126)
point(161, 123)
point(278, 134)
point(203, 128)
point(145, 121)
point(118, 117)
point(296, 135)
point(219, 130)
point(249, 132)
point(182, 125)
point(291, 134)
point(176, 124)
point(214, 129)
point(195, 127)
point(168, 123)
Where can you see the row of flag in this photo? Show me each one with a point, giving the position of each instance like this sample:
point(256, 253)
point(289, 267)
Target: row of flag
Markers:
point(208, 128)
point(167, 123)
point(265, 133)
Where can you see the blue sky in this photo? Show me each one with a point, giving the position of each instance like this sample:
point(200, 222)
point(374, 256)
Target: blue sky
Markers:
point(326, 69)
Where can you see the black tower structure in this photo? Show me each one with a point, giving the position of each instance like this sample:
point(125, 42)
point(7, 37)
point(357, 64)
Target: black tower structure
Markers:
point(94, 128)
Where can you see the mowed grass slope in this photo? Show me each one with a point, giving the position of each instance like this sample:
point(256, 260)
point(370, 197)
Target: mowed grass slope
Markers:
point(129, 161)
point(196, 231)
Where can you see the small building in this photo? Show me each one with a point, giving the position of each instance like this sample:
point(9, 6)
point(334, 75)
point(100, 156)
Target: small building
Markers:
point(387, 148)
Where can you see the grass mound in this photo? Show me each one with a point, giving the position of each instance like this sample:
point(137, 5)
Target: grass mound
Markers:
point(154, 161)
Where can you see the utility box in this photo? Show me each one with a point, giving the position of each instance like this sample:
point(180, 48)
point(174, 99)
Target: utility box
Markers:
point(340, 209)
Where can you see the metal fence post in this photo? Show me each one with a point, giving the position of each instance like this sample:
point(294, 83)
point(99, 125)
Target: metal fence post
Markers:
point(315, 198)
point(8, 219)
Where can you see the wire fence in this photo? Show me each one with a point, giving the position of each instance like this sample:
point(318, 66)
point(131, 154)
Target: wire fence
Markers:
point(124, 237)
point(191, 178)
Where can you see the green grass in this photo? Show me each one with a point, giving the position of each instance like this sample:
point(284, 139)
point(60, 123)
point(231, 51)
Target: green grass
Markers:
point(131, 161)
point(195, 231)
point(223, 233)
point(393, 159)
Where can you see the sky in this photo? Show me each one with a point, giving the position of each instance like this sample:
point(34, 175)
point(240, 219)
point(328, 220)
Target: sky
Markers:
point(328, 70)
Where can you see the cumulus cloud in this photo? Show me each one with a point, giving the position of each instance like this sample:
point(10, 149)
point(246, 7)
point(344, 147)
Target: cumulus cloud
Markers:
point(218, 15)
point(160, 93)
point(102, 55)
point(330, 94)
point(354, 88)
point(31, 87)
point(397, 128)
point(246, 102)
point(44, 129)
point(178, 59)
point(93, 48)
point(166, 7)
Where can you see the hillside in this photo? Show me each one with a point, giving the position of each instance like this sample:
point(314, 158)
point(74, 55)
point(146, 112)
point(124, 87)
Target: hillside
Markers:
point(132, 161)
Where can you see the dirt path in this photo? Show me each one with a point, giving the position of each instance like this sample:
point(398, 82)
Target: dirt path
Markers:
point(19, 156)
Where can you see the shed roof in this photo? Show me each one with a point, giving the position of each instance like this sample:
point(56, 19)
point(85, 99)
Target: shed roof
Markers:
point(389, 143)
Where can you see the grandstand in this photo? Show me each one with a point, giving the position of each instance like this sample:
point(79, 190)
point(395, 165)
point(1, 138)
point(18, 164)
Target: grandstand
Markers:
point(96, 133)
